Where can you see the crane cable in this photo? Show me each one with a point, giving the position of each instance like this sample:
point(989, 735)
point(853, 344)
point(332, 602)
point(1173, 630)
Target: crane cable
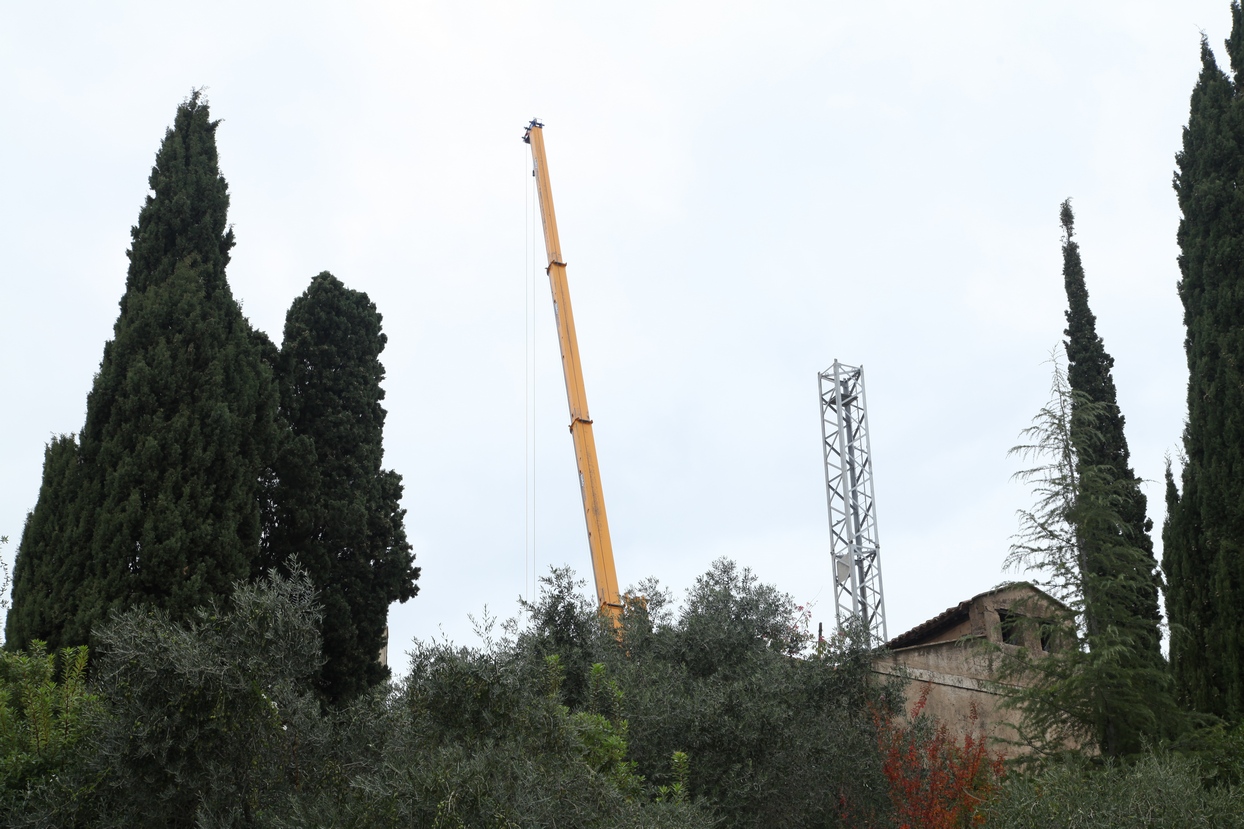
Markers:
point(529, 382)
point(526, 385)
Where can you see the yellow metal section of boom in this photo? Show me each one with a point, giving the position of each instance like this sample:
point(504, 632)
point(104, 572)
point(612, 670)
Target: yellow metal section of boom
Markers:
point(580, 421)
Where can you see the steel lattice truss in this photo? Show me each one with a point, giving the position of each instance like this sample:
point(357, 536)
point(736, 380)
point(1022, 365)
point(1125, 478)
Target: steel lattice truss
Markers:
point(852, 509)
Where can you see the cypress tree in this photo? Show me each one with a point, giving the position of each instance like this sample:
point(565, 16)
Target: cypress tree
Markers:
point(1204, 533)
point(336, 509)
point(49, 568)
point(1119, 578)
point(181, 420)
point(1096, 685)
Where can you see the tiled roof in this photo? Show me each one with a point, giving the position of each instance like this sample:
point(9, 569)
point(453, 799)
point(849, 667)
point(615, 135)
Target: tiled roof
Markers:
point(948, 617)
point(954, 615)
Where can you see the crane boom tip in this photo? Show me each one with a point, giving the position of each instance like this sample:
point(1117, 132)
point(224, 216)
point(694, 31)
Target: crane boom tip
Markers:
point(534, 125)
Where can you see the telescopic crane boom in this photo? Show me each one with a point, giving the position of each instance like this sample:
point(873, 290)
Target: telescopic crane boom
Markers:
point(580, 421)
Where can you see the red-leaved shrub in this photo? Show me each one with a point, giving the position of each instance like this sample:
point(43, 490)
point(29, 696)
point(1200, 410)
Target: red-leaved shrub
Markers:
point(936, 782)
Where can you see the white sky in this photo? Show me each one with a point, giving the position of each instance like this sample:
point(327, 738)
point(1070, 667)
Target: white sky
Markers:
point(745, 192)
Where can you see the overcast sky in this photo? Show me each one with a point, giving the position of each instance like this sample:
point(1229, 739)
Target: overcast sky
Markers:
point(745, 191)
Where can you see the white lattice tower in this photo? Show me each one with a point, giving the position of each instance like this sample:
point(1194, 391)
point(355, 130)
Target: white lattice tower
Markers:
point(852, 509)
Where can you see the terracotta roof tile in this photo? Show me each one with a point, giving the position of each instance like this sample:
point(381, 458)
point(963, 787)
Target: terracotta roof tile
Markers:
point(953, 615)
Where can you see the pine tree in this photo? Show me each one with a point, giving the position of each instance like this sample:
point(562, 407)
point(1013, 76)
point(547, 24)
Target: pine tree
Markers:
point(180, 423)
point(1121, 585)
point(1204, 533)
point(336, 509)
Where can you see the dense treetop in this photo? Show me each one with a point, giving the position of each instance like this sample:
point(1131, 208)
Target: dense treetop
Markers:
point(336, 510)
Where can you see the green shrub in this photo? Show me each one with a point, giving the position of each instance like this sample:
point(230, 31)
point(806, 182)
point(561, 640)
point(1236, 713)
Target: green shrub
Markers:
point(1157, 792)
point(767, 732)
point(211, 722)
point(482, 737)
point(44, 713)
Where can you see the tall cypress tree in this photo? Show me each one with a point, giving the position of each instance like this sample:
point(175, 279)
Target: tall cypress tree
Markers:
point(49, 569)
point(1120, 579)
point(181, 420)
point(1204, 533)
point(336, 509)
point(1089, 372)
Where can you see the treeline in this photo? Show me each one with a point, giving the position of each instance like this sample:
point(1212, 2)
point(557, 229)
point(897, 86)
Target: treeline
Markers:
point(720, 712)
point(209, 455)
point(1118, 734)
point(701, 717)
point(1115, 693)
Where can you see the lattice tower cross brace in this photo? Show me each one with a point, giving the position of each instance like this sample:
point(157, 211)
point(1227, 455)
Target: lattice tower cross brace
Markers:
point(853, 539)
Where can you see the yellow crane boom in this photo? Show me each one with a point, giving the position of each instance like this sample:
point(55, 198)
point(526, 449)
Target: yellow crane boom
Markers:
point(580, 421)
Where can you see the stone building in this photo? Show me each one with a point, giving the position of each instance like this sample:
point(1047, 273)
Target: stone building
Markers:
point(946, 655)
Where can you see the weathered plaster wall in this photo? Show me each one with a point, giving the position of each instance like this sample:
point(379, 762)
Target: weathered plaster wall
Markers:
point(957, 675)
point(956, 663)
